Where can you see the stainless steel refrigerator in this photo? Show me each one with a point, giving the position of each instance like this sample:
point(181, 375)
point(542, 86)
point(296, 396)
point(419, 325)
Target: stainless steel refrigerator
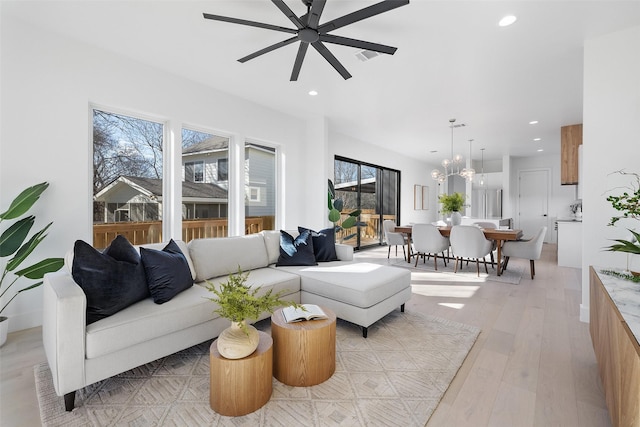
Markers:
point(486, 203)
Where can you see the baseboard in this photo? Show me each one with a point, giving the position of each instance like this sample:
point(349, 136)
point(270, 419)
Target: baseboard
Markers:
point(18, 322)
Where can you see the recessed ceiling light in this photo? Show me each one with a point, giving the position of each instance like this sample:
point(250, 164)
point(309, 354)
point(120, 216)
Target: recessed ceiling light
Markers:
point(313, 92)
point(536, 139)
point(507, 20)
point(533, 122)
point(540, 149)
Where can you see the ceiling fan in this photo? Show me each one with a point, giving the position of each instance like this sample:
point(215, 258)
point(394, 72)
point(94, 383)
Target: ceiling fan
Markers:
point(309, 31)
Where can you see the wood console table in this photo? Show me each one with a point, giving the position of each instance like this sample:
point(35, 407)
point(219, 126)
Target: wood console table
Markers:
point(615, 342)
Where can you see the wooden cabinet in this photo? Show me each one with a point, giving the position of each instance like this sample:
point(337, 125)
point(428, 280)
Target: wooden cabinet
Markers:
point(570, 140)
point(618, 356)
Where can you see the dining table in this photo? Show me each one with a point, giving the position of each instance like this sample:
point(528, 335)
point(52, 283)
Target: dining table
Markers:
point(498, 235)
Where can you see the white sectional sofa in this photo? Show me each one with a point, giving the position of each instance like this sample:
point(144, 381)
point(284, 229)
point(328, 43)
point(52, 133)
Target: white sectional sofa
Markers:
point(79, 354)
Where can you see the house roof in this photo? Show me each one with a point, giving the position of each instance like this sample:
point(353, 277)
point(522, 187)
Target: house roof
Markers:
point(152, 187)
point(215, 143)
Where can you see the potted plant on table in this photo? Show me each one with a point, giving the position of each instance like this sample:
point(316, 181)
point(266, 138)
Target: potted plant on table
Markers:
point(628, 204)
point(452, 204)
point(14, 243)
point(240, 302)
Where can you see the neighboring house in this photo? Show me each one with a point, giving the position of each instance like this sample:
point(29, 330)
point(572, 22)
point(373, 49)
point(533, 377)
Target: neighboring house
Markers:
point(204, 186)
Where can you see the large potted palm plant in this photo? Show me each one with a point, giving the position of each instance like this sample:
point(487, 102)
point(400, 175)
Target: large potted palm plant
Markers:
point(16, 243)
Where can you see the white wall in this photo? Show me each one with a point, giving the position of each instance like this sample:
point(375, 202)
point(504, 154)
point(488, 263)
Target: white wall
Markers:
point(48, 83)
point(412, 172)
point(611, 141)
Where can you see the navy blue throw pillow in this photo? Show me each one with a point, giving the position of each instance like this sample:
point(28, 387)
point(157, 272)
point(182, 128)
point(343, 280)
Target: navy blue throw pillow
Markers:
point(324, 244)
point(167, 271)
point(111, 280)
point(298, 251)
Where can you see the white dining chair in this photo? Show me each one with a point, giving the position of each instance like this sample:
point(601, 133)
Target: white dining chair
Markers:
point(527, 249)
point(468, 241)
point(393, 238)
point(427, 241)
point(494, 247)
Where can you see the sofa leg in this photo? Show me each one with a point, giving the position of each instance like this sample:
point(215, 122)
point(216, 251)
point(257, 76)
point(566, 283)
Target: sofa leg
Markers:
point(364, 332)
point(69, 400)
point(402, 308)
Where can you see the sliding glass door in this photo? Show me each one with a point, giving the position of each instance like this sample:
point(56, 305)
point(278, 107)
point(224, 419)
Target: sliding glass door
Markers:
point(374, 190)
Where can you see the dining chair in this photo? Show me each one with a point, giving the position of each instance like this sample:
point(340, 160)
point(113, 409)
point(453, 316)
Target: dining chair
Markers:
point(468, 241)
point(427, 241)
point(494, 247)
point(393, 238)
point(527, 249)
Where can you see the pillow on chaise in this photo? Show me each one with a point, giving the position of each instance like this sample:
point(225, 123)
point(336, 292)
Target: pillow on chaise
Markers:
point(111, 280)
point(298, 251)
point(167, 272)
point(324, 244)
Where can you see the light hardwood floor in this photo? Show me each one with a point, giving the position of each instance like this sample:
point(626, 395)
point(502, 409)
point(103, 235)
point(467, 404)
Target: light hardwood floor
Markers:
point(532, 365)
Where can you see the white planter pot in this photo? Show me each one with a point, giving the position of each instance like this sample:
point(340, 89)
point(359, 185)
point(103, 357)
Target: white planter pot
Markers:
point(234, 343)
point(456, 218)
point(4, 329)
point(633, 262)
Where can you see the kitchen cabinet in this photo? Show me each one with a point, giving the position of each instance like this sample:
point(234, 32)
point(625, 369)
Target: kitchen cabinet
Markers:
point(570, 243)
point(570, 140)
point(613, 317)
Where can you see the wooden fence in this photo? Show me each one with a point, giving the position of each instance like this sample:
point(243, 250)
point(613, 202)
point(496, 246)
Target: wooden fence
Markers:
point(140, 233)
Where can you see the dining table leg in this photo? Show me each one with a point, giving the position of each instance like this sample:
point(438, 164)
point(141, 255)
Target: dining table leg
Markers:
point(499, 260)
point(408, 247)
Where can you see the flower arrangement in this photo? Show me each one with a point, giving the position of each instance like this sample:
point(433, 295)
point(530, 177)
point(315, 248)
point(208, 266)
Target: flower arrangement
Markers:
point(451, 202)
point(238, 302)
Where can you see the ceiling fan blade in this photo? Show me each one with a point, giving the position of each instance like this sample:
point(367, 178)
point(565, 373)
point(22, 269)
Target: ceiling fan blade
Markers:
point(360, 44)
point(289, 13)
point(314, 14)
point(268, 49)
point(302, 51)
point(322, 50)
point(249, 23)
point(359, 15)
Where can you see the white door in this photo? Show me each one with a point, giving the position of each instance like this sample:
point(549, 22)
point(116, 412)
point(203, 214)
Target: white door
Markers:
point(533, 201)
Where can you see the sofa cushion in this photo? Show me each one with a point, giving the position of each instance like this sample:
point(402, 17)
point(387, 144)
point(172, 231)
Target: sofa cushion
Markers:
point(146, 321)
point(167, 272)
point(324, 244)
point(359, 284)
point(221, 256)
point(272, 243)
point(111, 280)
point(268, 279)
point(296, 251)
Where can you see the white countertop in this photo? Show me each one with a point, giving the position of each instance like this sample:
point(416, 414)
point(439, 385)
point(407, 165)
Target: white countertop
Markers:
point(626, 296)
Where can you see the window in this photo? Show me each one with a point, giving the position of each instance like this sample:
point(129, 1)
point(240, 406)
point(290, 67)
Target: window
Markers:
point(223, 169)
point(260, 187)
point(127, 178)
point(194, 171)
point(204, 199)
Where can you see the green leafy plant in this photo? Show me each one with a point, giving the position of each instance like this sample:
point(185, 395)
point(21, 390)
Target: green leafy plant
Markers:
point(238, 302)
point(628, 204)
point(335, 214)
point(451, 202)
point(14, 242)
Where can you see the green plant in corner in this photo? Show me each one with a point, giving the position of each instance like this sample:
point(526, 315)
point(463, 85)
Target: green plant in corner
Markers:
point(628, 203)
point(335, 214)
point(238, 301)
point(14, 242)
point(451, 202)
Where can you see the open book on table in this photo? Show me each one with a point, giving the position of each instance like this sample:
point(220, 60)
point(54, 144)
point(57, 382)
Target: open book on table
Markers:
point(313, 312)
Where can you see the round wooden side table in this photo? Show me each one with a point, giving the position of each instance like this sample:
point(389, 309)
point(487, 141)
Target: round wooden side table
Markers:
point(241, 386)
point(304, 353)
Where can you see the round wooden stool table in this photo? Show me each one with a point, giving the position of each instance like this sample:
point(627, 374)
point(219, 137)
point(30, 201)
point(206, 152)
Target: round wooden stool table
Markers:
point(241, 386)
point(304, 353)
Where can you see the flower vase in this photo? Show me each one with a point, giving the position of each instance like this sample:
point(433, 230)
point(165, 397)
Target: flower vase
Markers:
point(235, 343)
point(456, 218)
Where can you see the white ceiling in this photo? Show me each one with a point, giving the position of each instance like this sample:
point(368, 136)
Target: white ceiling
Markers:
point(453, 61)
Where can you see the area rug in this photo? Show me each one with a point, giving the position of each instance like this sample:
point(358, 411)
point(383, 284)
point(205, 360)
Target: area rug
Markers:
point(466, 273)
point(395, 377)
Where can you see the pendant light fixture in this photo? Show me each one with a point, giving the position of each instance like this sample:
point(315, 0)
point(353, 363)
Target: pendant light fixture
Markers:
point(482, 180)
point(452, 165)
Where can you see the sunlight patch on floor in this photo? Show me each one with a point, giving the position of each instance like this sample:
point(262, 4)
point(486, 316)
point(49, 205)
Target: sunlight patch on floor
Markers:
point(452, 305)
point(453, 291)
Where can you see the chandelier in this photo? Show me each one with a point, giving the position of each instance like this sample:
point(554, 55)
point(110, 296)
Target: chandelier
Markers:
point(452, 165)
